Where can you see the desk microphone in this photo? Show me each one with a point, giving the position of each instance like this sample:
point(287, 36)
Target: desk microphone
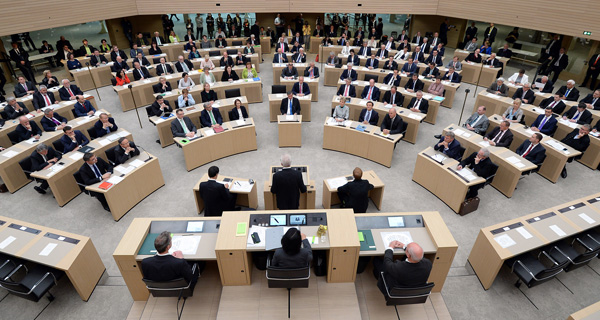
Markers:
point(149, 156)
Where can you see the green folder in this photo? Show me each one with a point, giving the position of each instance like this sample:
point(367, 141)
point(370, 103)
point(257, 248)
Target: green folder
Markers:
point(366, 240)
point(241, 229)
point(148, 245)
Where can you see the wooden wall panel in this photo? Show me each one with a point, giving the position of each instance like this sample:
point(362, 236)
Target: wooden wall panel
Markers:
point(431, 23)
point(206, 6)
point(367, 6)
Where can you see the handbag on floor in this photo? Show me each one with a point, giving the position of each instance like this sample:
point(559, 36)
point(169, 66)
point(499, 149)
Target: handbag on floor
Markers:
point(468, 206)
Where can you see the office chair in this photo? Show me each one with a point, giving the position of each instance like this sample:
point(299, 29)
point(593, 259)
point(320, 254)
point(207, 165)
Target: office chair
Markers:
point(111, 157)
point(175, 288)
point(58, 146)
point(7, 265)
point(581, 251)
point(79, 182)
point(532, 271)
point(394, 34)
point(4, 115)
point(287, 278)
point(537, 168)
point(232, 93)
point(113, 81)
point(14, 138)
point(490, 178)
point(92, 133)
point(403, 296)
point(368, 77)
point(232, 52)
point(215, 53)
point(34, 285)
point(156, 60)
point(236, 43)
point(278, 88)
point(461, 151)
point(26, 166)
point(74, 114)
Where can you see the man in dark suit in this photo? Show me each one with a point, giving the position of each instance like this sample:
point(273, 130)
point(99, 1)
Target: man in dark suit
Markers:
point(353, 58)
point(163, 68)
point(182, 126)
point(15, 109)
point(593, 70)
point(86, 49)
point(280, 57)
point(418, 104)
point(289, 72)
point(431, 71)
point(160, 106)
point(140, 72)
point(368, 115)
point(481, 164)
point(418, 39)
point(290, 105)
point(493, 62)
point(555, 103)
point(43, 98)
point(412, 272)
point(592, 100)
point(532, 150)
point(189, 45)
point(347, 89)
point(220, 42)
point(545, 123)
point(392, 123)
point(69, 91)
point(500, 136)
point(525, 94)
point(372, 62)
point(311, 71)
point(27, 129)
point(579, 140)
point(125, 151)
point(95, 170)
point(216, 196)
point(364, 50)
point(558, 64)
point(449, 146)
point(504, 52)
point(382, 53)
point(24, 87)
point(119, 64)
point(371, 92)
point(42, 158)
point(490, 33)
point(117, 53)
point(569, 92)
point(548, 84)
point(414, 84)
point(47, 48)
point(83, 107)
point(97, 59)
point(435, 58)
point(578, 114)
point(287, 185)
point(21, 59)
point(63, 42)
point(300, 56)
point(409, 67)
point(392, 79)
point(424, 47)
point(498, 87)
point(355, 194)
point(393, 97)
point(390, 64)
point(184, 65)
point(210, 117)
point(300, 88)
point(349, 73)
point(225, 61)
point(73, 139)
point(452, 76)
point(141, 59)
point(162, 86)
point(552, 49)
point(52, 121)
point(105, 125)
point(141, 41)
point(158, 39)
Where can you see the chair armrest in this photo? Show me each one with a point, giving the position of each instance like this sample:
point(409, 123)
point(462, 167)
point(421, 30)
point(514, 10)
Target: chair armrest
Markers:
point(17, 269)
point(42, 279)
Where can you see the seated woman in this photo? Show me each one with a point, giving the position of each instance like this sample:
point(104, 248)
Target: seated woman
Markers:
point(239, 111)
point(327, 41)
point(173, 38)
point(207, 94)
point(73, 63)
point(249, 72)
point(49, 80)
point(154, 49)
point(486, 48)
point(207, 77)
point(229, 75)
point(292, 254)
point(194, 54)
point(436, 88)
point(122, 78)
point(186, 82)
point(514, 112)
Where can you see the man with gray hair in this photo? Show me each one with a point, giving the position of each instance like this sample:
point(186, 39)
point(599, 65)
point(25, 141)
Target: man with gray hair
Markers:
point(481, 164)
point(569, 92)
point(43, 158)
point(478, 122)
point(498, 87)
point(15, 109)
point(52, 121)
point(449, 146)
point(42, 98)
point(68, 91)
point(287, 185)
point(165, 266)
point(525, 93)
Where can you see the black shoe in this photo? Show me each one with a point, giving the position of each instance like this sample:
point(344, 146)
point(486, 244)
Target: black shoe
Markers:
point(158, 141)
point(39, 190)
point(438, 136)
point(107, 208)
point(563, 174)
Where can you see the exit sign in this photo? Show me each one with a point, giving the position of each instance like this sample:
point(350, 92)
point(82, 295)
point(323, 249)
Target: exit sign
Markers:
point(587, 33)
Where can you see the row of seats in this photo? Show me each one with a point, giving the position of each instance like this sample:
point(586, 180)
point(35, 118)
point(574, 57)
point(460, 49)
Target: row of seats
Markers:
point(32, 284)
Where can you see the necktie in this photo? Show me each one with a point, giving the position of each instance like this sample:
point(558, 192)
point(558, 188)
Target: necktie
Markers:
point(543, 123)
point(141, 73)
point(594, 101)
point(369, 95)
point(84, 107)
point(557, 60)
point(553, 104)
point(497, 87)
point(498, 136)
point(47, 100)
point(312, 74)
point(418, 104)
point(523, 97)
point(346, 90)
point(70, 92)
point(56, 122)
point(414, 85)
point(372, 61)
point(475, 121)
point(368, 117)
point(158, 41)
point(185, 67)
point(299, 58)
point(596, 62)
point(25, 86)
point(164, 68)
point(290, 107)
point(393, 98)
point(416, 56)
point(185, 129)
point(576, 115)
point(96, 171)
point(301, 85)
point(44, 157)
point(391, 80)
point(279, 58)
point(527, 151)
point(282, 47)
point(567, 93)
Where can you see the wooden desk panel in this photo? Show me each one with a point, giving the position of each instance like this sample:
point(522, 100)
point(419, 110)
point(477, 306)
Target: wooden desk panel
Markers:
point(330, 196)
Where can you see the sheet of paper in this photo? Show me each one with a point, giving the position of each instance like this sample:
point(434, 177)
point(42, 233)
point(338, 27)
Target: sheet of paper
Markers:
point(524, 232)
point(414, 116)
point(136, 163)
point(113, 137)
point(30, 141)
point(335, 183)
point(104, 142)
point(194, 226)
point(558, 230)
point(124, 169)
point(240, 122)
point(402, 236)
point(289, 117)
point(459, 132)
point(484, 144)
point(209, 132)
point(520, 165)
point(9, 153)
point(187, 244)
point(587, 218)
point(115, 179)
point(123, 134)
point(6, 242)
point(48, 249)
point(513, 159)
point(241, 186)
point(261, 235)
point(438, 157)
point(76, 155)
point(505, 241)
point(313, 240)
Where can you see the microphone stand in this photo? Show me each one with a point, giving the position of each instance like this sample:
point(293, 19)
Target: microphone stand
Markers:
point(87, 64)
point(463, 106)
point(135, 105)
point(478, 78)
point(149, 156)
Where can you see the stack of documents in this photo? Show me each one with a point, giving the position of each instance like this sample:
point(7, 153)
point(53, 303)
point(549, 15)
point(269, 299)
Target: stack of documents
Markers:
point(335, 183)
point(402, 236)
point(241, 186)
point(516, 161)
point(136, 163)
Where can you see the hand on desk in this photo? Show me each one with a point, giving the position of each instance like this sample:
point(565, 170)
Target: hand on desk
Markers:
point(302, 235)
point(190, 134)
point(469, 127)
point(106, 176)
point(396, 244)
point(177, 254)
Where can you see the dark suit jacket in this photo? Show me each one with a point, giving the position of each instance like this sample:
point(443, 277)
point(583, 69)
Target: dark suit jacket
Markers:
point(374, 62)
point(506, 140)
point(64, 94)
point(190, 65)
point(573, 94)
point(420, 58)
point(374, 117)
point(24, 134)
point(580, 144)
point(162, 40)
point(208, 96)
point(354, 60)
point(351, 91)
point(113, 56)
point(116, 66)
point(504, 53)
point(387, 79)
point(296, 56)
point(548, 127)
point(398, 98)
point(456, 78)
point(387, 66)
point(374, 95)
point(471, 58)
point(453, 149)
point(48, 125)
point(305, 88)
point(69, 145)
point(287, 186)
point(483, 168)
point(394, 126)
point(167, 69)
point(530, 96)
point(315, 72)
point(141, 43)
point(385, 53)
point(283, 58)
point(423, 107)
point(226, 76)
point(352, 75)
point(155, 108)
point(37, 161)
point(80, 111)
point(559, 108)
point(414, 40)
point(401, 273)
point(588, 99)
point(286, 72)
point(188, 46)
point(100, 132)
point(220, 43)
point(94, 61)
point(490, 33)
point(302, 259)
point(562, 64)
point(295, 106)
point(137, 76)
point(356, 195)
point(121, 157)
point(536, 155)
point(496, 64)
point(177, 130)
point(418, 86)
point(435, 73)
point(364, 51)
point(234, 115)
point(166, 268)
point(21, 92)
point(585, 117)
point(84, 52)
point(205, 117)
point(157, 88)
point(548, 87)
point(409, 68)
point(12, 114)
point(216, 198)
point(39, 101)
point(224, 63)
point(438, 60)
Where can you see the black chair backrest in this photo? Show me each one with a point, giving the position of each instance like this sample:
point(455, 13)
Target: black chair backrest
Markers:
point(113, 81)
point(110, 155)
point(493, 171)
point(236, 43)
point(58, 146)
point(278, 88)
point(74, 114)
point(551, 271)
point(26, 166)
point(231, 93)
point(371, 76)
point(14, 287)
point(173, 288)
point(92, 133)
point(231, 113)
point(232, 52)
point(461, 151)
point(13, 136)
point(403, 296)
point(214, 53)
point(4, 115)
point(149, 111)
point(287, 277)
point(403, 127)
point(79, 181)
point(156, 60)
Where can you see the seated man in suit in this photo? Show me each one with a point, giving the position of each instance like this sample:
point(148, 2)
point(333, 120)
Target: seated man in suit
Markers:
point(210, 117)
point(409, 67)
point(349, 73)
point(220, 42)
point(457, 65)
point(290, 105)
point(431, 71)
point(141, 41)
point(525, 94)
point(163, 68)
point(493, 62)
point(592, 100)
point(435, 58)
point(52, 121)
point(579, 140)
point(412, 272)
point(117, 53)
point(578, 114)
point(414, 84)
point(347, 89)
point(189, 45)
point(97, 59)
point(282, 45)
point(370, 92)
point(162, 86)
point(390, 64)
point(365, 50)
point(449, 146)
point(548, 85)
point(83, 107)
point(418, 56)
point(43, 98)
point(184, 65)
point(69, 91)
point(569, 92)
point(532, 150)
point(95, 170)
point(287, 185)
point(43, 158)
point(500, 136)
point(555, 102)
point(140, 72)
point(481, 164)
point(478, 122)
point(452, 76)
point(403, 45)
point(300, 88)
point(392, 79)
point(290, 72)
point(545, 123)
point(311, 71)
point(418, 104)
point(498, 87)
point(372, 62)
point(118, 65)
point(226, 60)
point(141, 59)
point(73, 139)
point(125, 151)
point(393, 97)
point(15, 109)
point(216, 196)
point(382, 53)
point(135, 51)
point(182, 126)
point(368, 115)
point(392, 123)
point(160, 106)
point(300, 56)
point(165, 266)
point(105, 125)
point(24, 88)
point(27, 129)
point(505, 52)
point(355, 194)
point(280, 57)
point(158, 39)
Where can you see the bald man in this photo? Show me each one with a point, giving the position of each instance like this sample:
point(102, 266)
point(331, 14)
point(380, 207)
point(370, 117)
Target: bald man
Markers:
point(412, 272)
